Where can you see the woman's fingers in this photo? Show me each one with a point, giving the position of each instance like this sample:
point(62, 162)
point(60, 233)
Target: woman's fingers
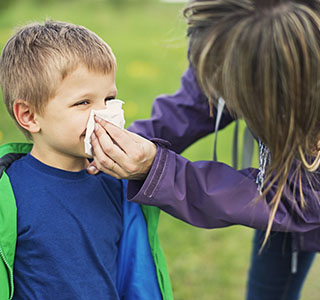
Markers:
point(118, 135)
point(134, 146)
point(121, 153)
point(101, 160)
point(108, 145)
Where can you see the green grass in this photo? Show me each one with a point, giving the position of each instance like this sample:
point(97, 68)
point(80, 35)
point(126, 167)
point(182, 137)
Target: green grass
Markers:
point(150, 45)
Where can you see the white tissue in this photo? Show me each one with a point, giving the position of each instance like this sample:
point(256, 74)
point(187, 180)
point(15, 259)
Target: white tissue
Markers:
point(113, 113)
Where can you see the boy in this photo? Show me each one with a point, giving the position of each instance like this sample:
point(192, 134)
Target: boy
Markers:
point(72, 227)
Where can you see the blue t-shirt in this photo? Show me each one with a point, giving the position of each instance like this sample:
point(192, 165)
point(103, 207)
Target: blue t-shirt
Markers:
point(69, 230)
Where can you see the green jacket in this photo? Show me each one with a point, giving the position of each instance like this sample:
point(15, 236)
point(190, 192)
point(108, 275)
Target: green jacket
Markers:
point(8, 229)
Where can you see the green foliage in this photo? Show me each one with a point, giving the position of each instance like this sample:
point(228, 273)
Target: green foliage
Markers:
point(149, 42)
point(5, 4)
point(122, 4)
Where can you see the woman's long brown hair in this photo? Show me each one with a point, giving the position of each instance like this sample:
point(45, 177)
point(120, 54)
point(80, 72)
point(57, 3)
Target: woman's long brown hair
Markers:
point(263, 58)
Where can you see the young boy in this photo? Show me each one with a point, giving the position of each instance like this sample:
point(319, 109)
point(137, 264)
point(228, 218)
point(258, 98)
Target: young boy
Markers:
point(71, 227)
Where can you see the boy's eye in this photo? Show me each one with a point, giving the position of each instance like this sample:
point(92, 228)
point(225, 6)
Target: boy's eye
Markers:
point(82, 102)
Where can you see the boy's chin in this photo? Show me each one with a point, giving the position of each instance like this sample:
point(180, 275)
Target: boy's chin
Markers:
point(86, 155)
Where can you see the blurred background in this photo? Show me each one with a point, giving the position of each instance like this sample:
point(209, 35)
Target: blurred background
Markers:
point(148, 39)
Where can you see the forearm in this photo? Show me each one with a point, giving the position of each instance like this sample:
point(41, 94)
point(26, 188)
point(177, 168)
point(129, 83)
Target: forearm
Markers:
point(211, 194)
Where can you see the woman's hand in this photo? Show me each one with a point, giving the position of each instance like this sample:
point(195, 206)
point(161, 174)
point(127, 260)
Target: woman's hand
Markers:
point(120, 153)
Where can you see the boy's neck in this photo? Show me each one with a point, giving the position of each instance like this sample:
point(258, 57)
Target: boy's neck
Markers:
point(59, 160)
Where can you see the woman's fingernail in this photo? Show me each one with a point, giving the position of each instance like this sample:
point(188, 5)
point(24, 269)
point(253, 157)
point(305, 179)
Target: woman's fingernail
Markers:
point(98, 118)
point(92, 169)
point(93, 136)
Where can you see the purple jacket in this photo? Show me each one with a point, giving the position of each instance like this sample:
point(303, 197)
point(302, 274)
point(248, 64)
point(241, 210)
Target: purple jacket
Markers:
point(206, 193)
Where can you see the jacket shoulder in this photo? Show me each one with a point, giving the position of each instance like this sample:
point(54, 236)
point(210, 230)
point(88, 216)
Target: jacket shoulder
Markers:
point(8, 229)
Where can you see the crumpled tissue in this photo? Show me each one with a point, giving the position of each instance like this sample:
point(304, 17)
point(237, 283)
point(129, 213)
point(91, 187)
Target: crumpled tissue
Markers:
point(113, 113)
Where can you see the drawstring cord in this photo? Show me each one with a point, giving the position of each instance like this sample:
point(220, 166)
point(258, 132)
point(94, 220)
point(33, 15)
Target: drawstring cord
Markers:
point(294, 254)
point(220, 107)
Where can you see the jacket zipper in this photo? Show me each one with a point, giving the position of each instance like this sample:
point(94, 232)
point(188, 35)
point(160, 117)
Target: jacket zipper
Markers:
point(10, 273)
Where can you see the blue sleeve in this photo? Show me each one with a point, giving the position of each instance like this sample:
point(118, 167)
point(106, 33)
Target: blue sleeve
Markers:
point(137, 277)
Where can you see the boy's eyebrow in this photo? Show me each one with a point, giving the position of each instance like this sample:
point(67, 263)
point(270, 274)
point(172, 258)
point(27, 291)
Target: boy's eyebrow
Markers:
point(85, 95)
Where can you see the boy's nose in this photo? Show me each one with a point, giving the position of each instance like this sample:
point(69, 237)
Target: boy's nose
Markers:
point(100, 105)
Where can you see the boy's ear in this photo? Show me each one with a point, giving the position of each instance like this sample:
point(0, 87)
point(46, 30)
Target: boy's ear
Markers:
point(25, 116)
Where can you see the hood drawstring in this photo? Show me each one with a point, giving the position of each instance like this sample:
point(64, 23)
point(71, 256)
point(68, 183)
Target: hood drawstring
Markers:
point(220, 107)
point(294, 253)
point(248, 140)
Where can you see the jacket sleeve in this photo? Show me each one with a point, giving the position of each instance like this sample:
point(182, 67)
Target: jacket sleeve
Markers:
point(182, 118)
point(210, 194)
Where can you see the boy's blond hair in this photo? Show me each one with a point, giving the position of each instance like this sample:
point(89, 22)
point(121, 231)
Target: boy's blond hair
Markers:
point(39, 56)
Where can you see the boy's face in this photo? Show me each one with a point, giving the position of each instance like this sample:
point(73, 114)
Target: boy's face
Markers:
point(60, 141)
